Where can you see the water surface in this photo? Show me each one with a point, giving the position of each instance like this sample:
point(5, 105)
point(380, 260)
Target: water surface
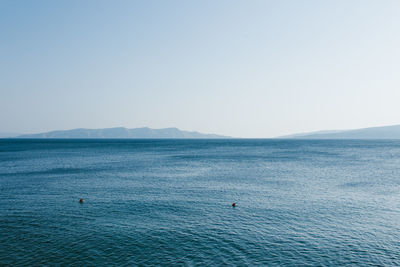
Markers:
point(168, 202)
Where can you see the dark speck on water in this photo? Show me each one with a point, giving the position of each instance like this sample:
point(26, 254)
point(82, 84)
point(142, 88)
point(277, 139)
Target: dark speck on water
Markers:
point(161, 202)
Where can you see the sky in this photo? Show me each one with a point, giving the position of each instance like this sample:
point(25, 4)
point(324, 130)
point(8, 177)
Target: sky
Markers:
point(238, 68)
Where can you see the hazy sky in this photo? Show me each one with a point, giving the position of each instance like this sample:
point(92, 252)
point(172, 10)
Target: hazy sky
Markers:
point(239, 68)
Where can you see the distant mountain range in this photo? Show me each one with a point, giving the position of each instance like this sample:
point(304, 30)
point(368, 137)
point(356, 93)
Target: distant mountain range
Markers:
point(8, 135)
point(121, 132)
point(384, 132)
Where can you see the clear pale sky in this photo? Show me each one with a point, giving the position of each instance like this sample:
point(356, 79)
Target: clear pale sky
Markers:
point(238, 68)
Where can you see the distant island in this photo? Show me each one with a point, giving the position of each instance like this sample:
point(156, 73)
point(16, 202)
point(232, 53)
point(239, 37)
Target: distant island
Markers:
point(384, 132)
point(121, 132)
point(8, 135)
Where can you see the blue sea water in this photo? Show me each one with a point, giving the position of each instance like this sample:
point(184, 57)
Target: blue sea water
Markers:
point(168, 202)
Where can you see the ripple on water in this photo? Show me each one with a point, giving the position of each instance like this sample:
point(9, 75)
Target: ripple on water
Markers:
point(169, 203)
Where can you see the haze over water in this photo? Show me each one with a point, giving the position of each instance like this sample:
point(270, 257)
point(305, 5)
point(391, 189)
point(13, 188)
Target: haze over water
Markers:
point(168, 202)
point(249, 69)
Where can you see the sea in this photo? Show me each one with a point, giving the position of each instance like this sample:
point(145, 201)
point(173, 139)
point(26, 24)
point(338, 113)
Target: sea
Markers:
point(169, 202)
